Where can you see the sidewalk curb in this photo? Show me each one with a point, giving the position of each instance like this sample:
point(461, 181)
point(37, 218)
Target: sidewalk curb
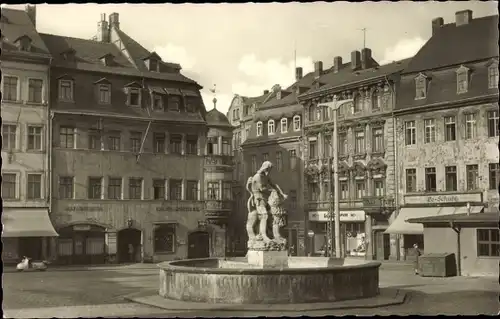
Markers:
point(57, 269)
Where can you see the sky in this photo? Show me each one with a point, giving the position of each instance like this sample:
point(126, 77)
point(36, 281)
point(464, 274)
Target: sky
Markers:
point(245, 49)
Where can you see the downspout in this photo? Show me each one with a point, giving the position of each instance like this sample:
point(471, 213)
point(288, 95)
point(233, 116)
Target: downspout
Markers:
point(50, 117)
point(457, 230)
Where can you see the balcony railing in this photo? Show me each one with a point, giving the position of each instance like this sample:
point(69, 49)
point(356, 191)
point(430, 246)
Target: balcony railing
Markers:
point(212, 205)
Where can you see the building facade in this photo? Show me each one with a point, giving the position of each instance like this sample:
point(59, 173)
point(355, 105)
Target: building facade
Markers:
point(366, 150)
point(129, 139)
point(25, 162)
point(447, 128)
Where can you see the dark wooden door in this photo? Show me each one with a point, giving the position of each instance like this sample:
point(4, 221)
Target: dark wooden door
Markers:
point(129, 245)
point(382, 245)
point(199, 245)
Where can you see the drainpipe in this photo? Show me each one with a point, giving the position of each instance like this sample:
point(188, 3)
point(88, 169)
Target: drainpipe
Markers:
point(49, 180)
point(457, 230)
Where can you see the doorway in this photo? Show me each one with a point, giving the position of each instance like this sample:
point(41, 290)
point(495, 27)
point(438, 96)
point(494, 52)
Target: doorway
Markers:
point(31, 247)
point(129, 245)
point(198, 245)
point(382, 245)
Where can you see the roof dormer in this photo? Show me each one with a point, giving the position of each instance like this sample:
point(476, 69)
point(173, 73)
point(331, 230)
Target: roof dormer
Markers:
point(153, 62)
point(23, 43)
point(107, 59)
point(69, 54)
point(462, 79)
point(421, 86)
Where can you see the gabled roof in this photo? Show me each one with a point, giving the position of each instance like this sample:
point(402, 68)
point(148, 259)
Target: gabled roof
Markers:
point(153, 55)
point(290, 98)
point(452, 45)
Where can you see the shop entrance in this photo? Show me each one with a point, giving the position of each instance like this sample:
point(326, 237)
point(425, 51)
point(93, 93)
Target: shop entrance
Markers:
point(382, 245)
point(129, 245)
point(31, 247)
point(81, 245)
point(199, 245)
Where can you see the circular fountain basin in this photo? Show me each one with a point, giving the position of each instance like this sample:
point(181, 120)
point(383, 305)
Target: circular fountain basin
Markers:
point(233, 281)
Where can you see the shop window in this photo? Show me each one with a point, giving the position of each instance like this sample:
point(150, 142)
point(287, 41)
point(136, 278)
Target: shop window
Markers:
point(164, 238)
point(488, 243)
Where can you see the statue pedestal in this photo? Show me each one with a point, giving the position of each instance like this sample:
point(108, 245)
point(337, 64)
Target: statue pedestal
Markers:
point(268, 258)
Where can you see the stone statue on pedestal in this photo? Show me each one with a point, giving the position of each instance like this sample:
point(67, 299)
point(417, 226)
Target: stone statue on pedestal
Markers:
point(266, 201)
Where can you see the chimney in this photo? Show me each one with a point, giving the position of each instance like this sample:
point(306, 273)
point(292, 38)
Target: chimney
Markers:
point(318, 69)
point(437, 24)
point(366, 58)
point(463, 17)
point(298, 73)
point(31, 12)
point(114, 20)
point(355, 60)
point(102, 29)
point(337, 63)
point(266, 92)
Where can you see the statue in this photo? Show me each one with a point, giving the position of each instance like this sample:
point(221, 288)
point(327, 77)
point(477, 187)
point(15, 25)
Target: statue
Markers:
point(266, 198)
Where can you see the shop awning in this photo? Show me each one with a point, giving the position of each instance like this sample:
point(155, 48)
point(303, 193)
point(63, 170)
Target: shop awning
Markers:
point(401, 226)
point(25, 222)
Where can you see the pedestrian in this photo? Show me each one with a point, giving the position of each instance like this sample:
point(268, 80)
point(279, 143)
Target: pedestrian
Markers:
point(417, 255)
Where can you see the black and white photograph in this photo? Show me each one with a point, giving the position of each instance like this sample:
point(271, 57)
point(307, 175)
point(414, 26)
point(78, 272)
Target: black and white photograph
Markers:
point(165, 160)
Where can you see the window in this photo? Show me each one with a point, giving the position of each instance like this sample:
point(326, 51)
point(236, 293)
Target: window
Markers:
point(462, 80)
point(470, 126)
point(192, 190)
point(360, 189)
point(104, 93)
point(253, 161)
point(326, 113)
point(327, 146)
point(175, 189)
point(95, 188)
point(174, 103)
point(493, 124)
point(135, 141)
point(9, 186)
point(270, 127)
point(430, 179)
point(34, 138)
point(311, 113)
point(192, 144)
point(259, 128)
point(226, 191)
point(318, 113)
point(66, 187)
point(284, 125)
point(192, 104)
point(358, 105)
point(360, 142)
point(164, 238)
point(342, 143)
point(430, 130)
point(226, 146)
point(9, 136)
point(378, 139)
point(157, 102)
point(293, 199)
point(375, 101)
point(493, 77)
point(134, 96)
point(313, 191)
point(451, 178)
point(378, 187)
point(159, 142)
point(34, 186)
point(344, 190)
point(410, 133)
point(450, 129)
point(153, 65)
point(35, 90)
point(67, 137)
point(293, 159)
point(176, 144)
point(279, 161)
point(411, 180)
point(135, 188)
point(420, 87)
point(494, 175)
point(9, 88)
point(265, 157)
point(65, 90)
point(313, 152)
point(488, 242)
point(472, 177)
point(213, 190)
point(115, 188)
point(158, 189)
point(296, 123)
point(114, 141)
point(94, 140)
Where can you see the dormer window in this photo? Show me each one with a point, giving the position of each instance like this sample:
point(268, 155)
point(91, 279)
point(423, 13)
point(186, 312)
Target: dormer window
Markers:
point(134, 96)
point(107, 59)
point(284, 125)
point(259, 128)
point(157, 102)
point(153, 62)
point(493, 76)
point(153, 65)
point(23, 43)
point(296, 123)
point(270, 127)
point(420, 87)
point(104, 93)
point(462, 79)
point(69, 55)
point(66, 90)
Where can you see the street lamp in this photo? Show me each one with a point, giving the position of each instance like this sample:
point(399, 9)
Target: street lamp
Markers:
point(334, 106)
point(310, 234)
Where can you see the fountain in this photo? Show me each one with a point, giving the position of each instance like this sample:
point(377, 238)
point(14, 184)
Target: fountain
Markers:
point(267, 275)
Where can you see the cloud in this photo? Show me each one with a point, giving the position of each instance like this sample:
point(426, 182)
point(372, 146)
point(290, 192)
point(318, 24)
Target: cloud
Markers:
point(403, 49)
point(176, 54)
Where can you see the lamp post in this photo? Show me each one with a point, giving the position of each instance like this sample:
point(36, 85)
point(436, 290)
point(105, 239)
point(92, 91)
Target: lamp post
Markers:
point(310, 234)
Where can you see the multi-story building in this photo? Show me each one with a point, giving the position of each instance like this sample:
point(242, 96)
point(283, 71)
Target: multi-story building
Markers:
point(25, 163)
point(275, 136)
point(365, 152)
point(129, 140)
point(447, 133)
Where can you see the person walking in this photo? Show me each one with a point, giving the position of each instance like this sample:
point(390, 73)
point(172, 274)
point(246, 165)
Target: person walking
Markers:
point(417, 255)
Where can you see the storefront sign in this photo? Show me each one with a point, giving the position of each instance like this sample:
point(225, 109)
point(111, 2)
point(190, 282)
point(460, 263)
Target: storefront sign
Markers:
point(443, 199)
point(81, 227)
point(84, 208)
point(345, 216)
point(184, 207)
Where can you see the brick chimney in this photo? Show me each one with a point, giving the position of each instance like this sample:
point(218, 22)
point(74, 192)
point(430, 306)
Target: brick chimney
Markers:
point(463, 17)
point(366, 58)
point(355, 60)
point(298, 73)
point(31, 12)
point(318, 69)
point(114, 20)
point(437, 24)
point(102, 29)
point(337, 64)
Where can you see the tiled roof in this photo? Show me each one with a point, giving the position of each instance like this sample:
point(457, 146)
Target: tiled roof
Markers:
point(15, 24)
point(452, 45)
point(277, 112)
point(464, 218)
point(216, 118)
point(271, 138)
point(291, 97)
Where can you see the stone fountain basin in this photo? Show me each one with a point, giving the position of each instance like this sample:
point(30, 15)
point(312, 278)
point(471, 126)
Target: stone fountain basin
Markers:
point(233, 281)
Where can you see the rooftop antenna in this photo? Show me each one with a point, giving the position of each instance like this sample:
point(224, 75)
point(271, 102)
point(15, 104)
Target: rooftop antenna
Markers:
point(364, 37)
point(214, 91)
